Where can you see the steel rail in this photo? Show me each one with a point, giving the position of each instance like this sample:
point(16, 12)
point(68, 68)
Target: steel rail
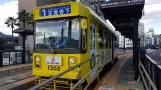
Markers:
point(60, 74)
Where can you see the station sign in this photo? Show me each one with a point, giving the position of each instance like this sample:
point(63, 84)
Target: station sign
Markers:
point(53, 11)
point(118, 3)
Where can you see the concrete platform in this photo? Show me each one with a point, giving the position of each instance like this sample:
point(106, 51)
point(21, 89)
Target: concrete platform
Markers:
point(121, 77)
point(20, 85)
point(17, 81)
point(14, 78)
point(6, 70)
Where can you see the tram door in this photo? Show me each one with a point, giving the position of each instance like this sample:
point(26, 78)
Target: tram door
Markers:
point(92, 49)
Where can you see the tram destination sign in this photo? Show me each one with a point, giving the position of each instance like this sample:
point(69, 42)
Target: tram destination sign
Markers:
point(118, 3)
point(53, 11)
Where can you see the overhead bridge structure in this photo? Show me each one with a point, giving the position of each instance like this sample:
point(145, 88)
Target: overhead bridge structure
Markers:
point(124, 15)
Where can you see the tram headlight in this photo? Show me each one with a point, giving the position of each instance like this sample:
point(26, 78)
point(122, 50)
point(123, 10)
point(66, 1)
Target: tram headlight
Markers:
point(72, 60)
point(37, 61)
point(37, 58)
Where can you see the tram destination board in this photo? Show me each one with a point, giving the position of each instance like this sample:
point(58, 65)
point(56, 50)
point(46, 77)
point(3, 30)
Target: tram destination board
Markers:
point(118, 3)
point(52, 11)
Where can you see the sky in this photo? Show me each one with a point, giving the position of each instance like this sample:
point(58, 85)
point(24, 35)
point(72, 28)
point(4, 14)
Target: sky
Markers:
point(7, 8)
point(151, 19)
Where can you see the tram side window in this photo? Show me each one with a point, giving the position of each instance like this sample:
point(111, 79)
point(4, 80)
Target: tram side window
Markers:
point(106, 39)
point(101, 43)
point(84, 39)
point(90, 37)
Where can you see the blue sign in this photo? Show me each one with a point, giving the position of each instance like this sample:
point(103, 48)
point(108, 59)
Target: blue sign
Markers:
point(55, 11)
point(150, 44)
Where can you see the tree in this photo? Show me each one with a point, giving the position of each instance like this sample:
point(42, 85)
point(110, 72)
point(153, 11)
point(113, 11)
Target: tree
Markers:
point(23, 17)
point(11, 22)
point(32, 22)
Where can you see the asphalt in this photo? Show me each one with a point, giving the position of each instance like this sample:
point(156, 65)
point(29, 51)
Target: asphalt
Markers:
point(155, 55)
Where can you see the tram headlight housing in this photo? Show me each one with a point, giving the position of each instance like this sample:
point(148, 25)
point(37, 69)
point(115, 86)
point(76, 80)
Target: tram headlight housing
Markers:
point(72, 60)
point(37, 61)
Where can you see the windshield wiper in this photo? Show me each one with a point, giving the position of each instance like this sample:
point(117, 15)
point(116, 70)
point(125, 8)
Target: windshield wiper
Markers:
point(51, 48)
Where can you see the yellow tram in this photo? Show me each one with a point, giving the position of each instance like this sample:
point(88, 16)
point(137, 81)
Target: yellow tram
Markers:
point(67, 34)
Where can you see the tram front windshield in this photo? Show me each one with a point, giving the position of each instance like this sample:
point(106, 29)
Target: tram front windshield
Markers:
point(60, 34)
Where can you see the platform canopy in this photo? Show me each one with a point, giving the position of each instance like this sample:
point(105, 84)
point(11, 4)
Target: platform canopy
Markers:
point(24, 31)
point(122, 13)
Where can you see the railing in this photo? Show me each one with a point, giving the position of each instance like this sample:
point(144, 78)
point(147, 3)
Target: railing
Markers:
point(83, 79)
point(80, 80)
point(150, 72)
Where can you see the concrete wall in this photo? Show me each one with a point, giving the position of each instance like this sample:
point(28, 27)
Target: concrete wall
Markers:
point(43, 2)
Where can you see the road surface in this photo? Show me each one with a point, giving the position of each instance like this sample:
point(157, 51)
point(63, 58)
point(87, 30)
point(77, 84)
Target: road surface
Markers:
point(155, 55)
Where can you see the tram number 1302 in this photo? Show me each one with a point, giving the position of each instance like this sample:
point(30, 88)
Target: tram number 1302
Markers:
point(55, 68)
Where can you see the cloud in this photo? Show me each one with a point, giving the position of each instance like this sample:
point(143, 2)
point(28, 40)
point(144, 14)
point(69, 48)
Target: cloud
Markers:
point(147, 2)
point(154, 8)
point(152, 18)
point(7, 9)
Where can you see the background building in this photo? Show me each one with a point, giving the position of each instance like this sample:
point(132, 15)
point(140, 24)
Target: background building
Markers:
point(156, 40)
point(7, 43)
point(149, 38)
point(128, 42)
point(141, 33)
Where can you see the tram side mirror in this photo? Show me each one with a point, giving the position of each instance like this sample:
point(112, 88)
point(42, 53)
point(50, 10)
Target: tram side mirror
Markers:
point(84, 23)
